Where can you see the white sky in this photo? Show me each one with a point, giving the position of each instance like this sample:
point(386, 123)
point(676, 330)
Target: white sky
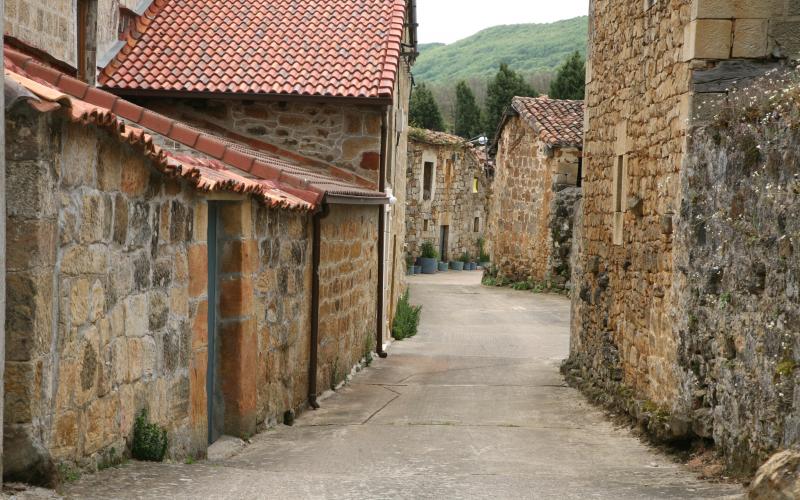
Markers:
point(447, 21)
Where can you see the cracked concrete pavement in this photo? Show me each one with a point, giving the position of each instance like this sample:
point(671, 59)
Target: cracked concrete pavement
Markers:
point(473, 407)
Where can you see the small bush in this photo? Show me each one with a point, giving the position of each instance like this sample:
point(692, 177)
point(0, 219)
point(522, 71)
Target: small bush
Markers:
point(149, 439)
point(406, 321)
point(428, 251)
point(466, 258)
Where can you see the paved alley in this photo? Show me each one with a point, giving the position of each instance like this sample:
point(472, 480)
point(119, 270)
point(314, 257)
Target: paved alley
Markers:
point(473, 407)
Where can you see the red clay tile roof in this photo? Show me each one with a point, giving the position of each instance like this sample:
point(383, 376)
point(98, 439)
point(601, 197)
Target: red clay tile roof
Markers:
point(559, 123)
point(341, 48)
point(434, 137)
point(259, 168)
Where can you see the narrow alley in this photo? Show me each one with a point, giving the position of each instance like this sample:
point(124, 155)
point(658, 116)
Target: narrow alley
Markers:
point(473, 407)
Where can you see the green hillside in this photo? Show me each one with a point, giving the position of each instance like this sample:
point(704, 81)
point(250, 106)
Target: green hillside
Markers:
point(527, 48)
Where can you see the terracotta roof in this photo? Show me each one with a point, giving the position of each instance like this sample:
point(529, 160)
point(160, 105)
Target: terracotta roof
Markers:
point(434, 137)
point(559, 123)
point(288, 175)
point(341, 48)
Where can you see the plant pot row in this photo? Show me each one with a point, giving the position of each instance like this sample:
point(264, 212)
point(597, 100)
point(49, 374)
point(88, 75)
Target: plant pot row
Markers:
point(456, 265)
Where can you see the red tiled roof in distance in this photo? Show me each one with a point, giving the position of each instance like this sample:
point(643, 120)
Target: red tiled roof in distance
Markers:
point(335, 48)
point(558, 122)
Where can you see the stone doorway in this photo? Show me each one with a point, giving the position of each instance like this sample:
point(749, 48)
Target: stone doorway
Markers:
point(444, 236)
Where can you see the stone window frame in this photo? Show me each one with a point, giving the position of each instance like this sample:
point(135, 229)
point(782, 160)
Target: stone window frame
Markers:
point(432, 160)
point(619, 187)
point(476, 225)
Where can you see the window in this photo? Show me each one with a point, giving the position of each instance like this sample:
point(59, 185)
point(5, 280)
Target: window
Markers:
point(427, 180)
point(476, 225)
point(425, 225)
point(86, 40)
point(474, 184)
point(579, 181)
point(127, 19)
point(619, 188)
point(82, 32)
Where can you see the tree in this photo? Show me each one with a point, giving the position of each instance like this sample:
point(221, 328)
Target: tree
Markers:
point(468, 119)
point(423, 111)
point(570, 82)
point(506, 85)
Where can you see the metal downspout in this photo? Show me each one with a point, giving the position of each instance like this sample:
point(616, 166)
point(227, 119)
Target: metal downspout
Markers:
point(315, 260)
point(381, 237)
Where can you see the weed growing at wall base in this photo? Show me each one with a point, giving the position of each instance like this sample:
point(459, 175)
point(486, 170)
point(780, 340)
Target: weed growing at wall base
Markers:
point(406, 321)
point(149, 439)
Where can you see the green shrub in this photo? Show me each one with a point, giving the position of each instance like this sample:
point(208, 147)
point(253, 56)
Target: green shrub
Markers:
point(428, 251)
point(406, 321)
point(149, 439)
point(466, 258)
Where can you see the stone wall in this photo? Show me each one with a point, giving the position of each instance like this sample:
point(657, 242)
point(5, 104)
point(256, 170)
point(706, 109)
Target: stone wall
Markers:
point(348, 288)
point(529, 223)
point(282, 296)
point(453, 202)
point(737, 242)
point(101, 300)
point(48, 25)
point(636, 111)
point(345, 135)
point(645, 335)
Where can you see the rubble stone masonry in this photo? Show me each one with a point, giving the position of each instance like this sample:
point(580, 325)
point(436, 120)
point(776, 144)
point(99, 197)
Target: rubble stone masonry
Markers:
point(348, 289)
point(345, 135)
point(104, 298)
point(653, 71)
point(530, 223)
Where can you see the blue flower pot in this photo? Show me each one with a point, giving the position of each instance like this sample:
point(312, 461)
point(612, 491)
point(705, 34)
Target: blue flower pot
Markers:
point(443, 267)
point(428, 266)
point(473, 266)
point(457, 265)
point(417, 269)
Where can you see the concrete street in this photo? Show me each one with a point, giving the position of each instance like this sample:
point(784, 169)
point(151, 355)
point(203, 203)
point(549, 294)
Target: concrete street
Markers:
point(473, 407)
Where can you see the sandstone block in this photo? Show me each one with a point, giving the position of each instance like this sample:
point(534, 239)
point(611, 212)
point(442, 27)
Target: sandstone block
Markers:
point(135, 176)
point(200, 326)
point(750, 38)
point(786, 38)
point(136, 316)
point(92, 259)
point(236, 297)
point(707, 39)
point(79, 301)
point(198, 270)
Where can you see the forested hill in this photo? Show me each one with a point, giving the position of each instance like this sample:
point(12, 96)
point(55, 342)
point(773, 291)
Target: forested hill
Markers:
point(527, 48)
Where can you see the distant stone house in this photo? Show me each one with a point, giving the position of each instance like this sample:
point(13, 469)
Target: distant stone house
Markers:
point(536, 186)
point(447, 195)
point(686, 273)
point(215, 281)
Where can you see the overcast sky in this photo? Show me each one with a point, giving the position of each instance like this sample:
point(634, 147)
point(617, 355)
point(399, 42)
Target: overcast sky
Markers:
point(449, 20)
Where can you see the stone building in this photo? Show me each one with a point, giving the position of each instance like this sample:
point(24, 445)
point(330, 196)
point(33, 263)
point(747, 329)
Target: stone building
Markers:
point(324, 104)
point(536, 187)
point(677, 319)
point(447, 194)
point(127, 224)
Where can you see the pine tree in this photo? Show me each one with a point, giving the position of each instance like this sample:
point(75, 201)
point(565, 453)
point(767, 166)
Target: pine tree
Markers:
point(506, 85)
point(468, 122)
point(423, 110)
point(570, 81)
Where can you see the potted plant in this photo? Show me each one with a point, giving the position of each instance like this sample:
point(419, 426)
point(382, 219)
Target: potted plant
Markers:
point(457, 265)
point(428, 259)
point(410, 264)
point(467, 261)
point(443, 266)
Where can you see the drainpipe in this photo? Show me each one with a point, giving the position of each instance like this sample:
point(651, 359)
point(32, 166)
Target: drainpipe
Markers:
point(382, 234)
point(314, 351)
